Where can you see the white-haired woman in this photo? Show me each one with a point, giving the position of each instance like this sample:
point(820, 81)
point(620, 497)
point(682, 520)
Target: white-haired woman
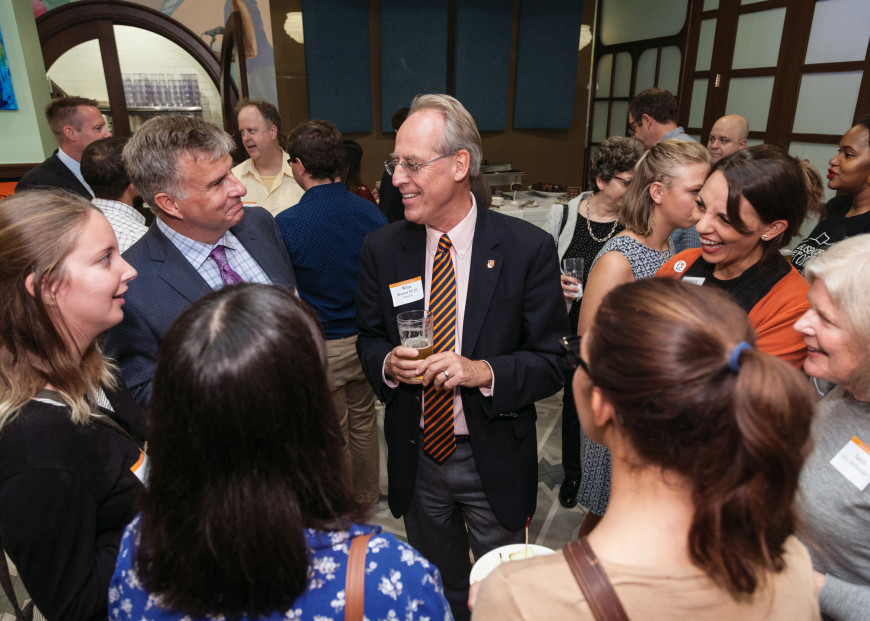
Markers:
point(834, 483)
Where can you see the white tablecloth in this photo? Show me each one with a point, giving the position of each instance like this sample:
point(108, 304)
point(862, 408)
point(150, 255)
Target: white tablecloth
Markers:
point(535, 215)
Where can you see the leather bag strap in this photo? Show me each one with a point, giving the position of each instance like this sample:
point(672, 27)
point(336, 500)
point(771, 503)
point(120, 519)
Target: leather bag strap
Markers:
point(355, 579)
point(593, 581)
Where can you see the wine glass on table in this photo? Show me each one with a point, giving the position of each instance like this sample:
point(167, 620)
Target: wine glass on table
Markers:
point(515, 187)
point(573, 267)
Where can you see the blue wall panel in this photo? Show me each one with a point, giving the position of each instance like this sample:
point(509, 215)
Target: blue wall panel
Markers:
point(483, 56)
point(338, 63)
point(547, 63)
point(413, 52)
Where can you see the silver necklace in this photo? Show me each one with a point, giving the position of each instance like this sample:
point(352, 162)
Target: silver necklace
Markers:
point(589, 224)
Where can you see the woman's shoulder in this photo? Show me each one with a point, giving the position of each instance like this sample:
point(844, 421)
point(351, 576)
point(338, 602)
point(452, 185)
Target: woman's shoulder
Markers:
point(678, 264)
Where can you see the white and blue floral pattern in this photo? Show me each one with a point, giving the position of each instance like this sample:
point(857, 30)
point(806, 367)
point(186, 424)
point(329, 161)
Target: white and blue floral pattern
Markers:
point(400, 584)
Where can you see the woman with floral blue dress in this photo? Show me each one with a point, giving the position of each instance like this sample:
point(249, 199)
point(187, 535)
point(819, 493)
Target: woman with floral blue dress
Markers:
point(248, 513)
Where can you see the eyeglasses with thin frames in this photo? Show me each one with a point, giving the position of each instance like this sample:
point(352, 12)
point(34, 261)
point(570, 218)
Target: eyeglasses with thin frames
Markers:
point(624, 182)
point(571, 349)
point(411, 168)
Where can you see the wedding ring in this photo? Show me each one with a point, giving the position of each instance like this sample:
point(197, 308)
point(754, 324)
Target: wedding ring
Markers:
point(446, 374)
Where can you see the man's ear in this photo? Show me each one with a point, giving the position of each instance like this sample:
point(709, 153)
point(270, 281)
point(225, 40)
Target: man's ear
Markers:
point(70, 133)
point(168, 204)
point(461, 164)
point(273, 132)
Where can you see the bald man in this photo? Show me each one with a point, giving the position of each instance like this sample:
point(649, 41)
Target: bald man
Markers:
point(728, 135)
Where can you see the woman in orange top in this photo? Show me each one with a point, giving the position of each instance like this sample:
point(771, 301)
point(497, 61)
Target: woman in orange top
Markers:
point(750, 207)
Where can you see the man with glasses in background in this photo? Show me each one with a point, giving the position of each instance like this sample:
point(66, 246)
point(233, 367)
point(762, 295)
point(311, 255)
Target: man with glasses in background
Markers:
point(460, 424)
point(324, 233)
point(266, 175)
point(652, 118)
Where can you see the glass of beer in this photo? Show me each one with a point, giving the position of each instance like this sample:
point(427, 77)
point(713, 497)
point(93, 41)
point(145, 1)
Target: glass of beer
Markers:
point(415, 331)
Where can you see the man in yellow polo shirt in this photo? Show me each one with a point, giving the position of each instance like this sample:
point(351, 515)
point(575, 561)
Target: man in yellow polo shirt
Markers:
point(266, 174)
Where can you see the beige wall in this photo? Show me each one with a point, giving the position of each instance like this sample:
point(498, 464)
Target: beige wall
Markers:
point(26, 135)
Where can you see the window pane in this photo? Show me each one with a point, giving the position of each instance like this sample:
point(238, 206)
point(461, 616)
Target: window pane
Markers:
point(751, 98)
point(169, 78)
point(818, 155)
point(758, 37)
point(634, 20)
point(646, 69)
point(605, 67)
point(841, 29)
point(599, 122)
point(699, 100)
point(622, 75)
point(669, 72)
point(711, 5)
point(619, 118)
point(826, 102)
point(705, 45)
point(79, 71)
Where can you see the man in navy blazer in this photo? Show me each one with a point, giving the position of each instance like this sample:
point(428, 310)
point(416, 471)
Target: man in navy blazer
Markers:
point(75, 122)
point(509, 319)
point(201, 239)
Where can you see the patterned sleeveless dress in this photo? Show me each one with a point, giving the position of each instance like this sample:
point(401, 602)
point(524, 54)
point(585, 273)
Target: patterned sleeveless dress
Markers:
point(594, 491)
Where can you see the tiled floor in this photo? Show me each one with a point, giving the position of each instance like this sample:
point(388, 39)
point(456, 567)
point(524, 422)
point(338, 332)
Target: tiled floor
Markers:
point(552, 524)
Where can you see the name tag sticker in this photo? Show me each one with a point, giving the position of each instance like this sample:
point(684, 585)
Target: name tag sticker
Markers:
point(407, 291)
point(853, 462)
point(142, 467)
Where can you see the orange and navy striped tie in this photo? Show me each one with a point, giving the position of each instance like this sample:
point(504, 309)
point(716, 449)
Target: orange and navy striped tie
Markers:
point(439, 441)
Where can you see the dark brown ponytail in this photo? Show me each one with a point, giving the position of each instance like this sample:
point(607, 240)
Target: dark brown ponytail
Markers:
point(737, 431)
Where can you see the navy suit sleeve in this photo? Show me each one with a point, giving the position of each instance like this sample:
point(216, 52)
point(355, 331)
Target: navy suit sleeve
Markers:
point(373, 343)
point(134, 345)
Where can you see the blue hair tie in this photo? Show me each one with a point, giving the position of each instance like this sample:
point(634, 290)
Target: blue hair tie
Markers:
point(734, 360)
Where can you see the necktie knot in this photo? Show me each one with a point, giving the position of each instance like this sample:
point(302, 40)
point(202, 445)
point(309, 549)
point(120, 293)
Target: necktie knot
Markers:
point(228, 274)
point(444, 244)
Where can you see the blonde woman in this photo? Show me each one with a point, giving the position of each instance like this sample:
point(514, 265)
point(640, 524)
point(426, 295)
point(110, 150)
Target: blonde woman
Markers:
point(70, 436)
point(660, 199)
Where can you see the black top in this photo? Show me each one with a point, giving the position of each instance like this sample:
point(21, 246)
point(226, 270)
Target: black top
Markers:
point(835, 227)
point(582, 245)
point(66, 494)
point(748, 288)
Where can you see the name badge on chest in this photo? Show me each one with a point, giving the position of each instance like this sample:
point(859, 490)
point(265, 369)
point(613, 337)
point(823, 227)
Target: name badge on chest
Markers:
point(853, 462)
point(407, 291)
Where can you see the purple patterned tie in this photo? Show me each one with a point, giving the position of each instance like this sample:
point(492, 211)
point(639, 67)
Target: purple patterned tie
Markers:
point(228, 274)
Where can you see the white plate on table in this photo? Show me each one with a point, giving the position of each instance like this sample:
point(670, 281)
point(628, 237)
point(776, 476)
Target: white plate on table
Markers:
point(547, 194)
point(492, 559)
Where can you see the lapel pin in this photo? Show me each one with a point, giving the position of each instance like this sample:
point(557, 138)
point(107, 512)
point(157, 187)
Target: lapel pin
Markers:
point(490, 264)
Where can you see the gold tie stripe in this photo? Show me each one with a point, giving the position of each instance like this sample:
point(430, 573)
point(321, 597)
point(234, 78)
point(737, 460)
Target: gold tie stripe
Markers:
point(439, 441)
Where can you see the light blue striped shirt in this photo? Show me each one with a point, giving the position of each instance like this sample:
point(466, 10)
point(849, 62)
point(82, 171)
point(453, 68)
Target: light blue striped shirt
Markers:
point(197, 254)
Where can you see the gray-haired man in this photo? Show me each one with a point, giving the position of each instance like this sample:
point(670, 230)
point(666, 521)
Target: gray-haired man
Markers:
point(202, 238)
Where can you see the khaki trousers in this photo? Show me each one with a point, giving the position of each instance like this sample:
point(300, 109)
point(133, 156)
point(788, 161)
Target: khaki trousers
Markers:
point(355, 405)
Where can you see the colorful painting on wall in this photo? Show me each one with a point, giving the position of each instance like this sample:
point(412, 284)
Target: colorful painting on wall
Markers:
point(7, 93)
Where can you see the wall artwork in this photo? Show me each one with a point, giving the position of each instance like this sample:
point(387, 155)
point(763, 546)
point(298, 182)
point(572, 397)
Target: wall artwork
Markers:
point(7, 93)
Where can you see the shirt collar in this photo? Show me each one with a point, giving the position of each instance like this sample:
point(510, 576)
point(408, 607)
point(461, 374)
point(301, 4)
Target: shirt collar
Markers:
point(195, 251)
point(461, 235)
point(118, 207)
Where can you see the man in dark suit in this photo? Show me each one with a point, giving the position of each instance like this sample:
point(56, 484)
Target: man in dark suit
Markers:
point(475, 483)
point(76, 122)
point(201, 239)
